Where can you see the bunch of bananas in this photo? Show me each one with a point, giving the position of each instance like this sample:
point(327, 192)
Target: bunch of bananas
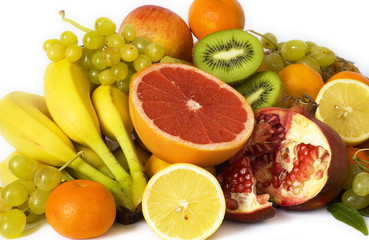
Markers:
point(73, 115)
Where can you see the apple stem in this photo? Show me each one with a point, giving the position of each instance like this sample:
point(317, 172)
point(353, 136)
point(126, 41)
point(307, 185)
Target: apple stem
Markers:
point(80, 27)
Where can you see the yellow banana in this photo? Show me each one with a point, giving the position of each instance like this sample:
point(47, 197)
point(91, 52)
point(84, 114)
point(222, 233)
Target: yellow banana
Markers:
point(111, 106)
point(26, 125)
point(6, 176)
point(67, 95)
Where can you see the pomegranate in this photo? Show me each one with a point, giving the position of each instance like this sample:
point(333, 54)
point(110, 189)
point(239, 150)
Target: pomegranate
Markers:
point(298, 160)
point(242, 202)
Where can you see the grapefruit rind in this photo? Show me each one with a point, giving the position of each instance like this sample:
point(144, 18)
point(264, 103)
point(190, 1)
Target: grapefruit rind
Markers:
point(172, 148)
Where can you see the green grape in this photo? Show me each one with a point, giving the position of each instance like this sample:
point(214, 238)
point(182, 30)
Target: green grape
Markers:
point(50, 42)
point(324, 56)
point(93, 40)
point(293, 50)
point(115, 40)
point(97, 60)
point(93, 76)
point(23, 167)
point(353, 170)
point(68, 38)
point(47, 178)
point(155, 51)
point(167, 59)
point(37, 201)
point(56, 52)
point(29, 184)
point(106, 77)
point(73, 53)
point(360, 184)
point(128, 52)
point(13, 223)
point(3, 206)
point(128, 32)
point(86, 58)
point(105, 26)
point(310, 45)
point(309, 61)
point(120, 71)
point(23, 207)
point(140, 43)
point(31, 216)
point(111, 56)
point(123, 85)
point(269, 41)
point(141, 62)
point(274, 62)
point(14, 194)
point(350, 198)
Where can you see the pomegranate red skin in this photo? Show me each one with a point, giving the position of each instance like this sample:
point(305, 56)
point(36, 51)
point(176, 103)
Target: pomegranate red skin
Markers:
point(251, 217)
point(336, 173)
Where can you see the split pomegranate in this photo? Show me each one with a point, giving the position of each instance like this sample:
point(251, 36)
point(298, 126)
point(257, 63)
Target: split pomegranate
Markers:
point(298, 160)
point(242, 202)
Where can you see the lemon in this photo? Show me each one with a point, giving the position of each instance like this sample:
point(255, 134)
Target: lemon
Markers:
point(183, 201)
point(344, 105)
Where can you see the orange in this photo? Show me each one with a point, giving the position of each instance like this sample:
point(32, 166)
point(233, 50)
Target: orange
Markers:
point(155, 164)
point(300, 79)
point(183, 114)
point(351, 152)
point(349, 75)
point(80, 209)
point(208, 16)
point(183, 201)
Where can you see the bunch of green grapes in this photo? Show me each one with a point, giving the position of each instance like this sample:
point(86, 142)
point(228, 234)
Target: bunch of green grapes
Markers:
point(356, 185)
point(281, 54)
point(109, 57)
point(23, 200)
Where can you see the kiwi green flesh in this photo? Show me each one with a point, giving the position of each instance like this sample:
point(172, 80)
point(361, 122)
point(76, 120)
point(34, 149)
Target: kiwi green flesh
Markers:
point(261, 90)
point(231, 55)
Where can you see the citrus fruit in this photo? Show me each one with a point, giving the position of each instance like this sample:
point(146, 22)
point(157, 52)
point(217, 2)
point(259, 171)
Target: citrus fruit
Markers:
point(184, 114)
point(80, 209)
point(343, 105)
point(183, 201)
point(208, 16)
point(155, 164)
point(300, 79)
point(351, 151)
point(349, 75)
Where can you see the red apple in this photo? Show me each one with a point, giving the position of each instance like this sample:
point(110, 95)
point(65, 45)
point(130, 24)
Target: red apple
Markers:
point(163, 26)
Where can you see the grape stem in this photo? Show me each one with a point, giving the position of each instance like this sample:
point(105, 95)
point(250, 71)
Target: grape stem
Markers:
point(80, 27)
point(361, 162)
point(266, 38)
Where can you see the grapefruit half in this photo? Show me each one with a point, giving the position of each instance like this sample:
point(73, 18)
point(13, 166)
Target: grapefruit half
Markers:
point(185, 115)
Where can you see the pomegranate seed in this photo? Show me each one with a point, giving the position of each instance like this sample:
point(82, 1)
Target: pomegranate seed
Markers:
point(319, 174)
point(231, 204)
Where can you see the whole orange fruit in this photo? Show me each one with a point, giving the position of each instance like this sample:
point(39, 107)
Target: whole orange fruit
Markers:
point(80, 209)
point(349, 75)
point(362, 155)
point(208, 16)
point(300, 79)
point(185, 115)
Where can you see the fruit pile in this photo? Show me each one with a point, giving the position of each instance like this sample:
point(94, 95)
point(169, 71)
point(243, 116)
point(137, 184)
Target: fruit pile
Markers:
point(135, 124)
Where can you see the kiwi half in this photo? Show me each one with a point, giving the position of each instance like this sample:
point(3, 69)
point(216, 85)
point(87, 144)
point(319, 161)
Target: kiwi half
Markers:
point(263, 89)
point(231, 55)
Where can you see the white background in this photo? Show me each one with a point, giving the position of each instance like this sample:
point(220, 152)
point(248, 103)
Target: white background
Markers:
point(338, 24)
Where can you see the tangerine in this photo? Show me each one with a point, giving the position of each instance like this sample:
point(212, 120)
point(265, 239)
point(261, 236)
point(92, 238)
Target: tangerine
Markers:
point(80, 209)
point(300, 79)
point(208, 16)
point(364, 157)
point(184, 114)
point(349, 75)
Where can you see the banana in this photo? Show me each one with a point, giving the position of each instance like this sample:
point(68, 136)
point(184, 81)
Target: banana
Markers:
point(67, 95)
point(26, 125)
point(111, 106)
point(6, 176)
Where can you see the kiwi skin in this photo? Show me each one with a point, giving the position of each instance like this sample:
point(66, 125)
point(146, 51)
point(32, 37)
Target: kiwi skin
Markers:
point(232, 55)
point(262, 89)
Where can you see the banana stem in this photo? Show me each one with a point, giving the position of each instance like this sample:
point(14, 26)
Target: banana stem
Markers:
point(121, 195)
point(80, 27)
point(135, 166)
